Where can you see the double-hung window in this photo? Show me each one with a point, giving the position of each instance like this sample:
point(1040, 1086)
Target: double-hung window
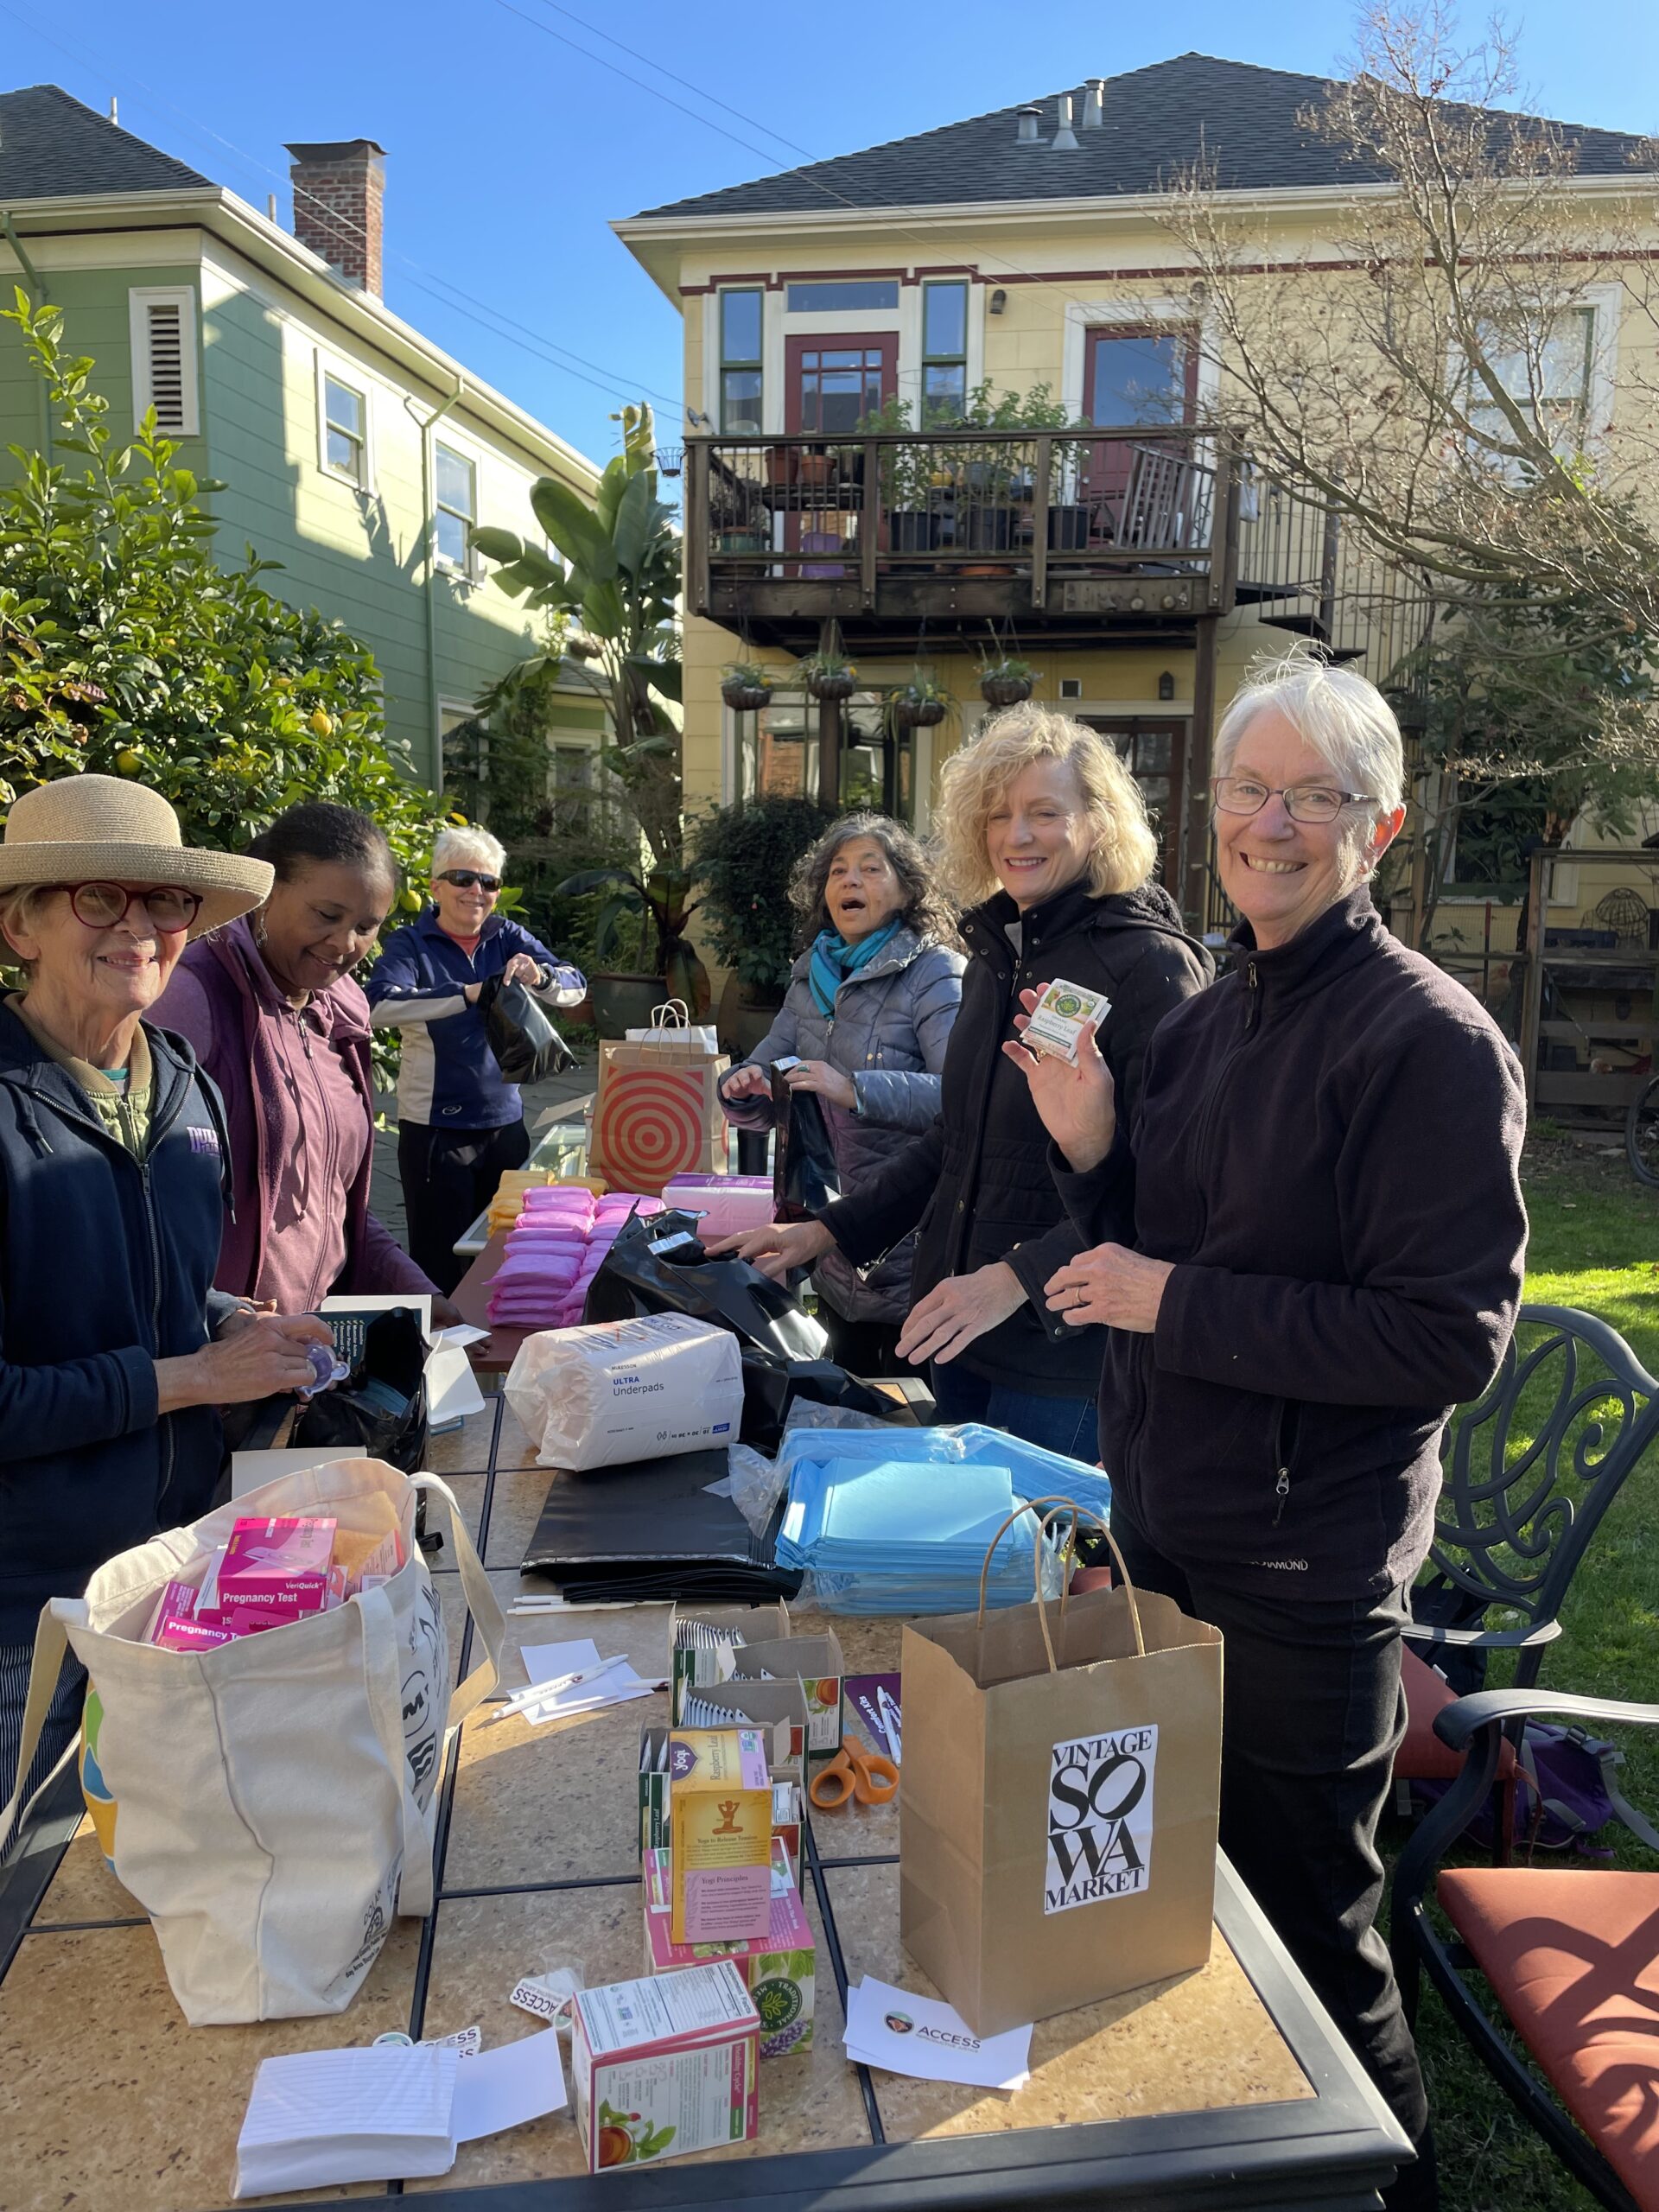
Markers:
point(457, 508)
point(345, 413)
point(944, 353)
point(741, 375)
point(1550, 379)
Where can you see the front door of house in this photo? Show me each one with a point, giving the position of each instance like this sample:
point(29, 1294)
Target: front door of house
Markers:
point(830, 385)
point(1136, 374)
point(1153, 752)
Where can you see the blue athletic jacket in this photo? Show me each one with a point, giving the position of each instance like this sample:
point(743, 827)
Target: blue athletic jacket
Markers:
point(106, 1264)
point(449, 1078)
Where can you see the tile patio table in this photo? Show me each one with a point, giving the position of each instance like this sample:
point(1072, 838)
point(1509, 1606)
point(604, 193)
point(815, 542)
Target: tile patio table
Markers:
point(1224, 2087)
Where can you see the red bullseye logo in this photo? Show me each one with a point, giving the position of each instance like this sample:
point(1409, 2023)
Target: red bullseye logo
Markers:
point(649, 1128)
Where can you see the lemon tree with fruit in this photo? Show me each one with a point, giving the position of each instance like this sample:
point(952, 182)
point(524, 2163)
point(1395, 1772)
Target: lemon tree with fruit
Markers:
point(127, 650)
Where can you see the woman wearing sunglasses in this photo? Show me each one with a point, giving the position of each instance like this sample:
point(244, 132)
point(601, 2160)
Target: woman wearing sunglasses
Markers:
point(278, 1021)
point(116, 1349)
point(461, 1125)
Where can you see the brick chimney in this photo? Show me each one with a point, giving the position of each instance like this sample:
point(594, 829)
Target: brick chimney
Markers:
point(339, 189)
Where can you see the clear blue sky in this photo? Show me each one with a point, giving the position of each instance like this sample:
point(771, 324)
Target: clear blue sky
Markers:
point(508, 147)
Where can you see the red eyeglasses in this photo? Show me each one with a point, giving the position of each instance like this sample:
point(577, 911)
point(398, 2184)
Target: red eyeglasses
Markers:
point(102, 905)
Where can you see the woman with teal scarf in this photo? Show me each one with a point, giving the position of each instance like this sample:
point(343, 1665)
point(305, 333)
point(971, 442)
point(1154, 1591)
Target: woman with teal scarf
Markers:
point(868, 1012)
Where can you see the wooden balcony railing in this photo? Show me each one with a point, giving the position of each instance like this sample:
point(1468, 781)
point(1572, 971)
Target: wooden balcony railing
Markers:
point(1129, 522)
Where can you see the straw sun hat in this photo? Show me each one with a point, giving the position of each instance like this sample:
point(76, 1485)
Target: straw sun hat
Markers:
point(101, 829)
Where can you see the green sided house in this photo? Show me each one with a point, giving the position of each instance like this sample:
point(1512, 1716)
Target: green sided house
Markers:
point(352, 450)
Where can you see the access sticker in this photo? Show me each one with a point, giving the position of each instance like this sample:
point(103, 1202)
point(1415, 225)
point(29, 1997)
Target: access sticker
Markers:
point(1100, 1793)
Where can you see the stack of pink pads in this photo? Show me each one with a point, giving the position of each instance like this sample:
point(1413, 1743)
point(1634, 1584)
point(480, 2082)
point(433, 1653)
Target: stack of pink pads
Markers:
point(553, 1251)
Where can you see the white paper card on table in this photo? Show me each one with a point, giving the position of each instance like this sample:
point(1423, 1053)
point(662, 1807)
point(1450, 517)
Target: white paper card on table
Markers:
point(505, 2087)
point(617, 1685)
point(457, 1338)
point(252, 1470)
point(318, 2118)
point(906, 2034)
point(545, 1662)
point(452, 1391)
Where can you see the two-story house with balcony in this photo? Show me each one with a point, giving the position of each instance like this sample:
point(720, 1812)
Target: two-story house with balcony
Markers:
point(352, 450)
point(839, 317)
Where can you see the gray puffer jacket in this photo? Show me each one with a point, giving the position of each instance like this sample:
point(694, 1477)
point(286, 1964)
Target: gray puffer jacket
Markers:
point(888, 1033)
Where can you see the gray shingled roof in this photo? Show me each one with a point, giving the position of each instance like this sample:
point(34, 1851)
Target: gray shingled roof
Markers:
point(52, 146)
point(1242, 118)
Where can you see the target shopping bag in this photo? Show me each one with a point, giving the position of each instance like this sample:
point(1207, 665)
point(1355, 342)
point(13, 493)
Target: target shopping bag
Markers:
point(656, 1114)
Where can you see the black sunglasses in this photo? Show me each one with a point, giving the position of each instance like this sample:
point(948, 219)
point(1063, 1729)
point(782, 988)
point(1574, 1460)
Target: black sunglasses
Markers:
point(465, 878)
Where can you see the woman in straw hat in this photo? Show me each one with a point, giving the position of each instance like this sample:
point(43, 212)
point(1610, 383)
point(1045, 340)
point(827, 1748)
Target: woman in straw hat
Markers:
point(115, 1348)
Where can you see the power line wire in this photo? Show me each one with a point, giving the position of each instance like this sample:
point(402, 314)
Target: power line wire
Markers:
point(613, 383)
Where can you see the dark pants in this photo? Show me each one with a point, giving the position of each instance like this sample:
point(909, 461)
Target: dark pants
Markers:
point(1069, 1425)
point(1311, 1713)
point(862, 1347)
point(449, 1176)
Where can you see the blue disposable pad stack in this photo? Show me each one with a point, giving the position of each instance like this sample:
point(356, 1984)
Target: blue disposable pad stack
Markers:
point(900, 1522)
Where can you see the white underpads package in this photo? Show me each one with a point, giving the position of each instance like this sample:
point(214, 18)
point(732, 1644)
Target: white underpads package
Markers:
point(618, 1390)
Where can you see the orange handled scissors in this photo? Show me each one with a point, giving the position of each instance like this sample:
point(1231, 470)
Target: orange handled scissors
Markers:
point(870, 1778)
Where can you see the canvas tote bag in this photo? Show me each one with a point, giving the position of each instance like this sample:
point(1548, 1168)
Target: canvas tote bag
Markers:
point(273, 1798)
point(1062, 1774)
point(656, 1114)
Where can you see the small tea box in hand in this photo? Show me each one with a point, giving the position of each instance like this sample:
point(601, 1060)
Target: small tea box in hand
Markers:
point(720, 1833)
point(664, 2065)
point(1057, 1018)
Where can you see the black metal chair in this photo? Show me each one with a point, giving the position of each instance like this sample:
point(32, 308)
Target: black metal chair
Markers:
point(1529, 1469)
point(1568, 1953)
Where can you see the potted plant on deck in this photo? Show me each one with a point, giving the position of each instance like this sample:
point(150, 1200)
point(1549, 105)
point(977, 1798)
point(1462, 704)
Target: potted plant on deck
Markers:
point(659, 904)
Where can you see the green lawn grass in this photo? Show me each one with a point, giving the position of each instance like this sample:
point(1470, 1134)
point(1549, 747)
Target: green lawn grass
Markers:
point(1594, 1245)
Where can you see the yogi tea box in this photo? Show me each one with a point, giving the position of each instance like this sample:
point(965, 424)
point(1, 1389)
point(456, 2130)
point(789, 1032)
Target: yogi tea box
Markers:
point(785, 1792)
point(719, 1834)
point(665, 2065)
point(779, 1969)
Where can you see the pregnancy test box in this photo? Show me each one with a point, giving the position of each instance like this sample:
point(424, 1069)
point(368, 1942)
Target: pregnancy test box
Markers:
point(283, 1562)
point(720, 1833)
point(779, 1969)
point(664, 2065)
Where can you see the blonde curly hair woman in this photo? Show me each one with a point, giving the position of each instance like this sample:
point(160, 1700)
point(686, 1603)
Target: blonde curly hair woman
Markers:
point(1044, 837)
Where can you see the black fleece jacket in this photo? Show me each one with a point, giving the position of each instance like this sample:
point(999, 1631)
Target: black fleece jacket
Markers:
point(977, 1186)
point(1327, 1146)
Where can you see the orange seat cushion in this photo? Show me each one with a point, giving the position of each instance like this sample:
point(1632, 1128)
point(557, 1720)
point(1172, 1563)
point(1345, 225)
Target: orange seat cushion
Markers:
point(1573, 1956)
point(1423, 1757)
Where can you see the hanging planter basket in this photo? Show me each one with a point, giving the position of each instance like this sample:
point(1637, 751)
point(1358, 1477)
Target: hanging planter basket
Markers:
point(831, 687)
point(917, 714)
point(1004, 691)
point(745, 698)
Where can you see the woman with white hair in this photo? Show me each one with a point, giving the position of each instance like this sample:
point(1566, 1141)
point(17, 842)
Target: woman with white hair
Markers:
point(1044, 837)
point(460, 1124)
point(1325, 1258)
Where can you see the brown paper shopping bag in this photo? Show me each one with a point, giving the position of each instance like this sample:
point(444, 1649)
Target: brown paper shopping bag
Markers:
point(656, 1114)
point(1057, 1815)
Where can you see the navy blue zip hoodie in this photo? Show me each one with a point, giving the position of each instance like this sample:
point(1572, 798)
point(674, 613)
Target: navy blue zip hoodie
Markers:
point(106, 1264)
point(449, 1077)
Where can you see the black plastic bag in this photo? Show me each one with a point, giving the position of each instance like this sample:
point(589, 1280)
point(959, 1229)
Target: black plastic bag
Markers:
point(657, 1265)
point(772, 1385)
point(526, 1045)
point(804, 1176)
point(379, 1411)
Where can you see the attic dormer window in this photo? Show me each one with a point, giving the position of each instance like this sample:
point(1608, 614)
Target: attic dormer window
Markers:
point(162, 326)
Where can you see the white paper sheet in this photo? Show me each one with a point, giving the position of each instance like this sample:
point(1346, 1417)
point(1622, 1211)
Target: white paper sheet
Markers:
point(906, 2034)
point(545, 1662)
point(507, 2086)
point(452, 1391)
point(616, 1686)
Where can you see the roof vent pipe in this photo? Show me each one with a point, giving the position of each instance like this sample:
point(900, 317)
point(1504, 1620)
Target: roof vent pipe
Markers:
point(1029, 119)
point(1065, 138)
point(1094, 103)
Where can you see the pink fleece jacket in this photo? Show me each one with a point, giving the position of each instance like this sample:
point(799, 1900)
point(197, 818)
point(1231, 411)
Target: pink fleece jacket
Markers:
point(303, 1227)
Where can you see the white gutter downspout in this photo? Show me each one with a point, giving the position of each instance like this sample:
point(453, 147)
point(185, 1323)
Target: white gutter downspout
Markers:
point(428, 509)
